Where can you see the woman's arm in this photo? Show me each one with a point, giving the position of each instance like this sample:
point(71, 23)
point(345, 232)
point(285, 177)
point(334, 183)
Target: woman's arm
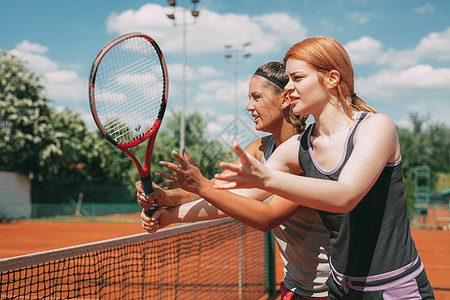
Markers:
point(263, 216)
point(376, 144)
point(276, 212)
point(175, 197)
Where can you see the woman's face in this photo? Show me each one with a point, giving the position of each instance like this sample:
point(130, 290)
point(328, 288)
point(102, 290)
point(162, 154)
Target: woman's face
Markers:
point(264, 104)
point(306, 92)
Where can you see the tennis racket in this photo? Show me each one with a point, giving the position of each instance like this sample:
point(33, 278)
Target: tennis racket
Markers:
point(128, 88)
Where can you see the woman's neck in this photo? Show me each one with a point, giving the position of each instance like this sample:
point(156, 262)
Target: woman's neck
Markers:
point(331, 120)
point(283, 133)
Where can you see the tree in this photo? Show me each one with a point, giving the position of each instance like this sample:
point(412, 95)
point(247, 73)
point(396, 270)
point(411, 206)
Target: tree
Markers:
point(428, 144)
point(23, 105)
point(49, 146)
point(83, 156)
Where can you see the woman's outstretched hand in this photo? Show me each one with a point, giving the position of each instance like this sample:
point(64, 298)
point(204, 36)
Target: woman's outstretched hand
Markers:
point(187, 175)
point(251, 174)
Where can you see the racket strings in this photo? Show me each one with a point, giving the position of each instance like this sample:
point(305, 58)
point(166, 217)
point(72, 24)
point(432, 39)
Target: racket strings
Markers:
point(129, 89)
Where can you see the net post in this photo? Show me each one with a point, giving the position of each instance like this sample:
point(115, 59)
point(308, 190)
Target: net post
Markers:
point(270, 264)
point(240, 262)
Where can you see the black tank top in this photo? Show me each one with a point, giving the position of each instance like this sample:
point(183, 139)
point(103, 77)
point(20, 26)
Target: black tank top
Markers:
point(374, 238)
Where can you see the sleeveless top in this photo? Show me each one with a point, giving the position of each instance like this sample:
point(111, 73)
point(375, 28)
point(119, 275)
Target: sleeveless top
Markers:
point(372, 244)
point(303, 243)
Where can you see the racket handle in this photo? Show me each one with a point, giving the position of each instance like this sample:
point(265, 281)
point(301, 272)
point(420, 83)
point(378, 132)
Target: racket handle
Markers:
point(147, 186)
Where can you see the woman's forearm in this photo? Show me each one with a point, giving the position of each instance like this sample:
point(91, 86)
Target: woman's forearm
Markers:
point(328, 195)
point(180, 196)
point(254, 213)
point(198, 210)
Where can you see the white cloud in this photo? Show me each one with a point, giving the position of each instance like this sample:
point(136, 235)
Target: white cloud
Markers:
point(175, 71)
point(209, 71)
point(222, 91)
point(359, 17)
point(33, 54)
point(435, 45)
point(413, 84)
point(226, 118)
point(365, 50)
point(427, 8)
point(27, 47)
point(401, 76)
point(215, 90)
point(267, 33)
point(214, 128)
point(65, 85)
point(60, 84)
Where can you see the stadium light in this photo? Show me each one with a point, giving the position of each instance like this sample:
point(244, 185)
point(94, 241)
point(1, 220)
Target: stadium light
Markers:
point(195, 13)
point(238, 57)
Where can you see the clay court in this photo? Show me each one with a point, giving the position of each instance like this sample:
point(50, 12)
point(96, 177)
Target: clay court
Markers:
point(24, 237)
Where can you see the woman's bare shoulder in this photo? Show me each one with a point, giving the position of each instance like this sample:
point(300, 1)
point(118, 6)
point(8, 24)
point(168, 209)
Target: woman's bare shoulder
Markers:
point(293, 141)
point(256, 148)
point(285, 156)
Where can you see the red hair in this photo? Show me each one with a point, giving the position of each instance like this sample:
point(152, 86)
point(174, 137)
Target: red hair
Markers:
point(324, 55)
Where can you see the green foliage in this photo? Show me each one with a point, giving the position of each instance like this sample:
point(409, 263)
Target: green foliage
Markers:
point(442, 182)
point(427, 143)
point(49, 146)
point(24, 107)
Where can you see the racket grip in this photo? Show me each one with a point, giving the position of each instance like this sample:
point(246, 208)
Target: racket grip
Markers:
point(147, 186)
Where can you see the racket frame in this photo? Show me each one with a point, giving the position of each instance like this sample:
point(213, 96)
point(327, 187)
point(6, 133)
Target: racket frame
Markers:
point(145, 171)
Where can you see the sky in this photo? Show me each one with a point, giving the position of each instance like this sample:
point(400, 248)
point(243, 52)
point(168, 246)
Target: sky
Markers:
point(400, 49)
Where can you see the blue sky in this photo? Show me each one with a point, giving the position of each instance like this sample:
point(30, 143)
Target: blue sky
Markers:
point(400, 49)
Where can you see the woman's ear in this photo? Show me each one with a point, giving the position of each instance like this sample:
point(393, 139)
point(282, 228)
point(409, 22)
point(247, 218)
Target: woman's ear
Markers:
point(332, 79)
point(285, 102)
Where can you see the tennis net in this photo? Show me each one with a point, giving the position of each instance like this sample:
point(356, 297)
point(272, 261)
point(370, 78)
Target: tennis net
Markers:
point(220, 259)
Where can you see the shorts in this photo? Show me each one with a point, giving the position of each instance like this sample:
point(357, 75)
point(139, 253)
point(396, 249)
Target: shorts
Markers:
point(416, 288)
point(287, 294)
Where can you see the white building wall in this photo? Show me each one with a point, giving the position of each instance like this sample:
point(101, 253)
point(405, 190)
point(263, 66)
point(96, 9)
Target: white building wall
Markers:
point(15, 196)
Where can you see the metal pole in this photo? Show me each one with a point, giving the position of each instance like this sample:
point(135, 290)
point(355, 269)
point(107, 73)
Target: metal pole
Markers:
point(235, 100)
point(183, 86)
point(240, 262)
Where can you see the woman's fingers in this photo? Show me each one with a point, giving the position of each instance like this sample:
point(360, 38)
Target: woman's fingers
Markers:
point(170, 184)
point(138, 185)
point(145, 202)
point(240, 152)
point(151, 225)
point(231, 167)
point(225, 186)
point(170, 166)
point(169, 176)
point(183, 163)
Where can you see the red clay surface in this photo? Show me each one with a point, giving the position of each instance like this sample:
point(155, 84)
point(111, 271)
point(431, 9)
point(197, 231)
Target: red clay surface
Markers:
point(25, 237)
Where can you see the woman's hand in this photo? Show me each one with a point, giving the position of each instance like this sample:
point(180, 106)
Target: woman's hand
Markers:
point(187, 175)
point(251, 173)
point(161, 218)
point(158, 197)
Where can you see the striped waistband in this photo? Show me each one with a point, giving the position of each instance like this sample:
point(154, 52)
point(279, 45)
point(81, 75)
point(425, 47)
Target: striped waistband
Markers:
point(380, 281)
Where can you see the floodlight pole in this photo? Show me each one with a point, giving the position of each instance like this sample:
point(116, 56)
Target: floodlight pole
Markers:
point(195, 13)
point(234, 54)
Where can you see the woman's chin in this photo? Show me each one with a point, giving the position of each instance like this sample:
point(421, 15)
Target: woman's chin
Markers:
point(259, 127)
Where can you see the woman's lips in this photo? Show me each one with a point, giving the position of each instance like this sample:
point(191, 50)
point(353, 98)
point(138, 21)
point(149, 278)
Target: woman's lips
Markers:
point(294, 101)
